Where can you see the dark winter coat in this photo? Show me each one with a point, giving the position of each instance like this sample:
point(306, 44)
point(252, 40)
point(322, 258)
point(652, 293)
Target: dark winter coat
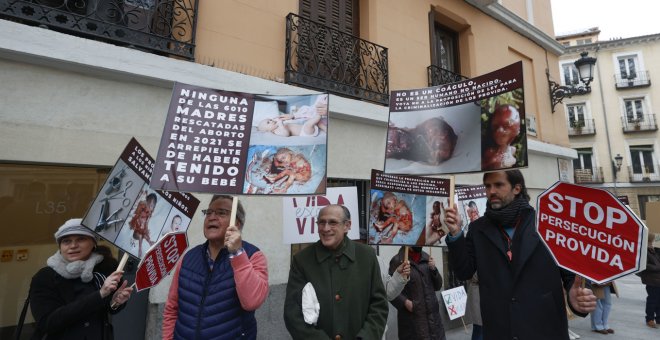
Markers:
point(651, 276)
point(69, 308)
point(522, 299)
point(424, 322)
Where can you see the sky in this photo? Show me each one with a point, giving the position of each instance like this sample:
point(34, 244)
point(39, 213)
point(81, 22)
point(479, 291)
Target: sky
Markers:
point(614, 18)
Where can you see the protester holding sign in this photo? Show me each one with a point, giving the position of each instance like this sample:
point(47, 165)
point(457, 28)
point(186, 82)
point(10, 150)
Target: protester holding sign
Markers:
point(217, 285)
point(70, 298)
point(519, 282)
point(418, 309)
point(335, 288)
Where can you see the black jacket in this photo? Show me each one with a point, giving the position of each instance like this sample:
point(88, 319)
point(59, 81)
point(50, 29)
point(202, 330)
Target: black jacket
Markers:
point(69, 308)
point(424, 322)
point(522, 299)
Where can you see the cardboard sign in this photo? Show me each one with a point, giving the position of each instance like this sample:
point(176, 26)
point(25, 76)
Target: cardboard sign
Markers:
point(160, 260)
point(590, 232)
point(226, 142)
point(469, 126)
point(407, 210)
point(653, 217)
point(129, 214)
point(455, 301)
point(299, 214)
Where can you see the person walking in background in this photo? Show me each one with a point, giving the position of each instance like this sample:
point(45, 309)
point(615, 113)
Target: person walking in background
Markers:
point(472, 308)
point(601, 315)
point(651, 278)
point(217, 285)
point(342, 278)
point(418, 308)
point(520, 285)
point(71, 297)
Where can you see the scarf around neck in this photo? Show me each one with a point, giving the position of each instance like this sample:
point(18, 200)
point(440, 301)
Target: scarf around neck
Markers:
point(76, 269)
point(507, 216)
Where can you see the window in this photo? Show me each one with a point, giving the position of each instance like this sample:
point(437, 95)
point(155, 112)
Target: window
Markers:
point(583, 41)
point(571, 76)
point(584, 160)
point(627, 67)
point(642, 159)
point(445, 51)
point(634, 110)
point(642, 203)
point(576, 115)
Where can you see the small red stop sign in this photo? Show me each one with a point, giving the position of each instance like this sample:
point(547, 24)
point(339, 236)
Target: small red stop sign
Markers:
point(590, 232)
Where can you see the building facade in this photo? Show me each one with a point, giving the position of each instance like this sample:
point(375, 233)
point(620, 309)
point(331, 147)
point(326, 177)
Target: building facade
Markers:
point(616, 121)
point(78, 82)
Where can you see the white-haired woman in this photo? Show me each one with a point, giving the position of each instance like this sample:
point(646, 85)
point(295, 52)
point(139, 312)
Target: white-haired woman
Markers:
point(70, 298)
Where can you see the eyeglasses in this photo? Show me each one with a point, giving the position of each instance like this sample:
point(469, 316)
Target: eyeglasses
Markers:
point(217, 212)
point(331, 223)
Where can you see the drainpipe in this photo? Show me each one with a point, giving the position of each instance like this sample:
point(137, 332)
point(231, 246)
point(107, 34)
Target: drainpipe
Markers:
point(607, 131)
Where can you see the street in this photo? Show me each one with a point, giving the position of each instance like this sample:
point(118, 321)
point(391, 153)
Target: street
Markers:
point(626, 318)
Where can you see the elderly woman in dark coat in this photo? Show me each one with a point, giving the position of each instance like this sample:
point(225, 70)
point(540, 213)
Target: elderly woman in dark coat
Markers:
point(70, 298)
point(418, 310)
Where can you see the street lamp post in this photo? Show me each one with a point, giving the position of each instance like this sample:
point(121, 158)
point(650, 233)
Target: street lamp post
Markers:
point(616, 168)
point(585, 68)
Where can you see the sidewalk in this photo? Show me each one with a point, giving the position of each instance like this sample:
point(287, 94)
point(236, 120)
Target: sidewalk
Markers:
point(626, 318)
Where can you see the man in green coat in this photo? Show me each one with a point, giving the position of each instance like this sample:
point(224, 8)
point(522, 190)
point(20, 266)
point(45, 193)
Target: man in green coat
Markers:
point(347, 281)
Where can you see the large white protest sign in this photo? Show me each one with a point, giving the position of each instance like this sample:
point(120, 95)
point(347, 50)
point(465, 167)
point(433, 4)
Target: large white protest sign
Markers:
point(455, 301)
point(299, 214)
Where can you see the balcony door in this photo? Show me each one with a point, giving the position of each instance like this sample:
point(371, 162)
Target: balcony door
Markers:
point(642, 160)
point(634, 110)
point(342, 15)
point(628, 67)
point(331, 53)
point(444, 49)
point(576, 115)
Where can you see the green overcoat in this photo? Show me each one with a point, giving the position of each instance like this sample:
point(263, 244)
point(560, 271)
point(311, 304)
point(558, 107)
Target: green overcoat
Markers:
point(349, 289)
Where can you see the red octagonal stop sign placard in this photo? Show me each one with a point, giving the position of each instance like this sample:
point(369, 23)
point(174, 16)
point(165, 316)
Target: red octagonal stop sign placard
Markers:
point(590, 232)
point(160, 260)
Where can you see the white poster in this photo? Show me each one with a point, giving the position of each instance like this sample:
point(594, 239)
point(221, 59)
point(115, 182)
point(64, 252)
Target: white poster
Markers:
point(455, 301)
point(299, 214)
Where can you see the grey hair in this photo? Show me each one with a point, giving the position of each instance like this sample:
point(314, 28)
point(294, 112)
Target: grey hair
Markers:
point(240, 211)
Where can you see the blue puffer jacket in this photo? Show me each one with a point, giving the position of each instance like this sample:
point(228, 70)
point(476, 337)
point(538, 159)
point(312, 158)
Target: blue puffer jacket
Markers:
point(208, 303)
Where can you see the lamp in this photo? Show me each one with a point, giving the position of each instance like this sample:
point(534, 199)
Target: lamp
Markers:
point(585, 67)
point(617, 163)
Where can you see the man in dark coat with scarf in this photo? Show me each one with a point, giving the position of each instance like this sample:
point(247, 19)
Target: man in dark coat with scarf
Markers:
point(418, 308)
point(519, 283)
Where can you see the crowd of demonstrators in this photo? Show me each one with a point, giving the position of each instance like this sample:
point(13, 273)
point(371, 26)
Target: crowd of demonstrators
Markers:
point(217, 285)
point(418, 309)
point(520, 284)
point(344, 281)
point(72, 297)
point(651, 278)
point(601, 315)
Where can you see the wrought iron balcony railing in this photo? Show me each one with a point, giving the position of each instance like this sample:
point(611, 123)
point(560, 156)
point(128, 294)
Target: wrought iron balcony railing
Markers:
point(158, 26)
point(581, 127)
point(439, 76)
point(646, 175)
point(589, 175)
point(639, 123)
point(326, 59)
point(635, 79)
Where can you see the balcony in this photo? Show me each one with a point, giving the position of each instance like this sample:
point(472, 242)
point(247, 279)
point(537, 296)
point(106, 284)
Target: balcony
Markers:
point(633, 80)
point(164, 27)
point(325, 59)
point(439, 76)
point(584, 127)
point(643, 176)
point(588, 176)
point(641, 123)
